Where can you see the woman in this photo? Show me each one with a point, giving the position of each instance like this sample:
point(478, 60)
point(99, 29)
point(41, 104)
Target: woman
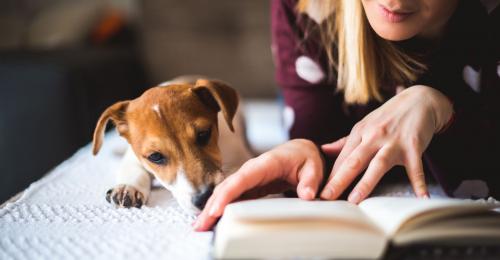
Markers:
point(410, 83)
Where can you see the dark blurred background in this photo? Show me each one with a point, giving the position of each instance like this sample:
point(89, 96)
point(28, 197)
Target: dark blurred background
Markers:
point(62, 62)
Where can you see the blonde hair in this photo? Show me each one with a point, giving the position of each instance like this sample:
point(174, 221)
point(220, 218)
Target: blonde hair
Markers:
point(364, 60)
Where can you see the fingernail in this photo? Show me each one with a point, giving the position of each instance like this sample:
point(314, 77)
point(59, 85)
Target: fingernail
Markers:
point(354, 197)
point(426, 196)
point(326, 194)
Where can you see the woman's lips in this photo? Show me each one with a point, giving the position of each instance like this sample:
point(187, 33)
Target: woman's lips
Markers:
point(394, 16)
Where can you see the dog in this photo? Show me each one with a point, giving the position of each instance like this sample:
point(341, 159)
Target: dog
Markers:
point(180, 132)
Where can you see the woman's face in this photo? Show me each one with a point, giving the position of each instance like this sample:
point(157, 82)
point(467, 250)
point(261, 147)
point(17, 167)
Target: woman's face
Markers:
point(397, 20)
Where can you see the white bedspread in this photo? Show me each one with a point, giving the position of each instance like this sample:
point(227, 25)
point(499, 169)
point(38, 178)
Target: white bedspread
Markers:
point(65, 216)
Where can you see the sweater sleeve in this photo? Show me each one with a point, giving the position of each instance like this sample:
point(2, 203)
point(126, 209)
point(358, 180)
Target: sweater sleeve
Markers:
point(465, 158)
point(312, 108)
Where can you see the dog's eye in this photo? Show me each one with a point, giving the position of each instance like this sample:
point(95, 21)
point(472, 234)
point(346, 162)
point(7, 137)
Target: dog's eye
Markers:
point(202, 137)
point(157, 158)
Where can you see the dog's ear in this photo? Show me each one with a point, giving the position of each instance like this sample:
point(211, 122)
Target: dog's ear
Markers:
point(116, 113)
point(219, 96)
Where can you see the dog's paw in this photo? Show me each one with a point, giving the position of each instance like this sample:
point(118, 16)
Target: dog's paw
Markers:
point(125, 196)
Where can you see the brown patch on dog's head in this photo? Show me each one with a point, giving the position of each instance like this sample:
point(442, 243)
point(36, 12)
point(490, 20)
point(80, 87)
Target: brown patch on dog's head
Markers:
point(174, 133)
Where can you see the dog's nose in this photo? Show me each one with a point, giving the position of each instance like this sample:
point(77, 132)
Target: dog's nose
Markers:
point(200, 199)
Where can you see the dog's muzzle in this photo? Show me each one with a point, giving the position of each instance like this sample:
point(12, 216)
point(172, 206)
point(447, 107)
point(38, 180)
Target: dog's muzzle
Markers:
point(201, 198)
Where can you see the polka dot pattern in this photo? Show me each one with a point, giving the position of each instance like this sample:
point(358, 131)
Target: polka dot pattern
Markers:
point(472, 77)
point(308, 70)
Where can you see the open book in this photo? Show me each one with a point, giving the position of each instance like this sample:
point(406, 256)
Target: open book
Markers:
point(290, 227)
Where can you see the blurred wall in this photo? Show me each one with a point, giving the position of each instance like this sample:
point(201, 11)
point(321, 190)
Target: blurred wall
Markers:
point(225, 39)
point(57, 77)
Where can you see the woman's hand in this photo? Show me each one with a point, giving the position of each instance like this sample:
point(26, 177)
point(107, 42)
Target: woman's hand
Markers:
point(397, 133)
point(296, 163)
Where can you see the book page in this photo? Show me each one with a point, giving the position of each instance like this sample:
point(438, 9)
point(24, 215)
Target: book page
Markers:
point(294, 208)
point(390, 213)
point(291, 227)
point(474, 227)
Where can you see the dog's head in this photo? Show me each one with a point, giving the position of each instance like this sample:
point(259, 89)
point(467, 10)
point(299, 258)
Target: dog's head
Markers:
point(173, 131)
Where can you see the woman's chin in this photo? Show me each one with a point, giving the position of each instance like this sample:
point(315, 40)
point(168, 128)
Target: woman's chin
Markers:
point(393, 34)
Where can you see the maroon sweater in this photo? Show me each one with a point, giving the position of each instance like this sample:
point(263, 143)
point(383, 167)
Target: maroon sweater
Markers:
point(465, 159)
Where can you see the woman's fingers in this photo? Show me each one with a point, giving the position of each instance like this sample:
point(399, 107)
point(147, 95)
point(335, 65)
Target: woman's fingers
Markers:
point(380, 164)
point(293, 164)
point(309, 180)
point(349, 168)
point(415, 171)
point(335, 147)
point(252, 174)
point(350, 143)
point(204, 221)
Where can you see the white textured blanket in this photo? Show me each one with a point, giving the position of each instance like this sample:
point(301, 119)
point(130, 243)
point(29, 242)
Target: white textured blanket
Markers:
point(65, 216)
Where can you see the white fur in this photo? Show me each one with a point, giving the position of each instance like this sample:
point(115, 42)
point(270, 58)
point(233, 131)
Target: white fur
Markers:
point(182, 190)
point(166, 83)
point(156, 108)
point(132, 173)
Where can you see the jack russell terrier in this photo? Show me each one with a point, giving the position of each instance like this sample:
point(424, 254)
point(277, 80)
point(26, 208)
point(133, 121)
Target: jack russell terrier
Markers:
point(175, 133)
